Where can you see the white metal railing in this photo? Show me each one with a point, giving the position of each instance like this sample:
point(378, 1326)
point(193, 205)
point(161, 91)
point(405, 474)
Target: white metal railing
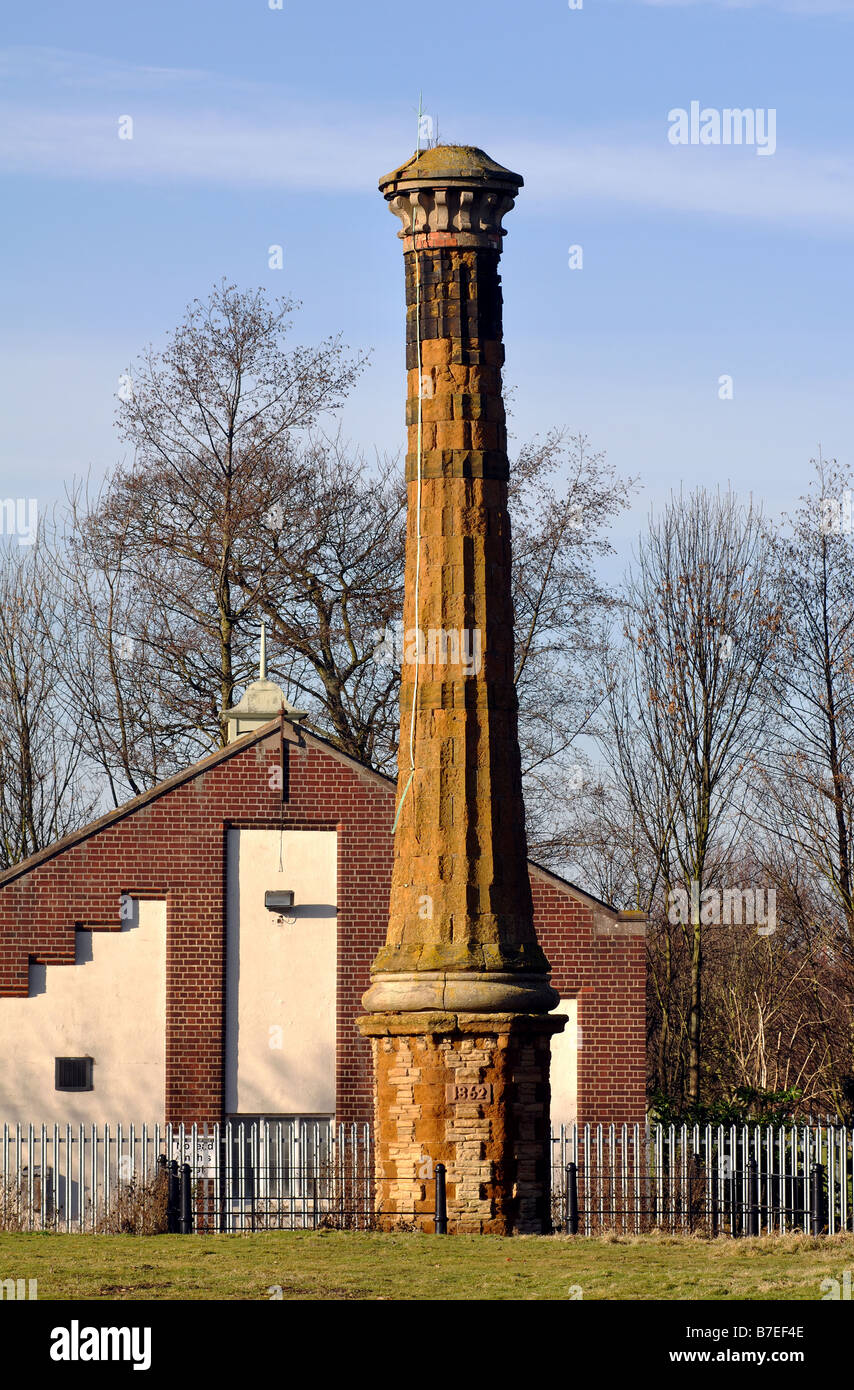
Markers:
point(301, 1173)
point(238, 1176)
point(718, 1179)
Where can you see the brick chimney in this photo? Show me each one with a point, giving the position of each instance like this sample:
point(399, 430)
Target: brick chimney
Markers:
point(458, 1006)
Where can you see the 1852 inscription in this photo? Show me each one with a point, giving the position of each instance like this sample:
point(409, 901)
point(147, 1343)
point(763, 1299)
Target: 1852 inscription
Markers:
point(469, 1090)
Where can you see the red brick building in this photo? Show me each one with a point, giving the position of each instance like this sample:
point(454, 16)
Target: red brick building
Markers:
point(144, 950)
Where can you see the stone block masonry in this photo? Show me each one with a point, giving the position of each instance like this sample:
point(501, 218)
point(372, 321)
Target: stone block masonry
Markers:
point(457, 1011)
point(470, 1091)
point(460, 897)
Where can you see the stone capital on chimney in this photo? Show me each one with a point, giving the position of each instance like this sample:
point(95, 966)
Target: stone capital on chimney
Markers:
point(451, 195)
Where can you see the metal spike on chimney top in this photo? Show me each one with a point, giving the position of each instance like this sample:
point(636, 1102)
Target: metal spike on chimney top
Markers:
point(262, 664)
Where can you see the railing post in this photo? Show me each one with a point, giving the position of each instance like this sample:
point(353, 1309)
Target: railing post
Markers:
point(752, 1197)
point(172, 1203)
point(817, 1200)
point(186, 1226)
point(572, 1199)
point(247, 1158)
point(441, 1201)
point(223, 1196)
point(695, 1184)
point(163, 1180)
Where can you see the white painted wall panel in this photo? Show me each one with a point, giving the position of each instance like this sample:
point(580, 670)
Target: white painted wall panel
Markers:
point(281, 980)
point(564, 1068)
point(111, 1006)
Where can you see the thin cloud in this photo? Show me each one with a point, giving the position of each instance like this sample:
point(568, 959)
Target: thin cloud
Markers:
point(792, 188)
point(65, 69)
point(804, 7)
point(61, 114)
point(203, 147)
point(185, 132)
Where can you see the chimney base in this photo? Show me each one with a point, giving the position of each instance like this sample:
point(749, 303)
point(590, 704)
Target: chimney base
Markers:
point(470, 1091)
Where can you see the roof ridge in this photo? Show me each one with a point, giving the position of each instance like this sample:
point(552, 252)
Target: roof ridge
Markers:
point(129, 808)
point(136, 803)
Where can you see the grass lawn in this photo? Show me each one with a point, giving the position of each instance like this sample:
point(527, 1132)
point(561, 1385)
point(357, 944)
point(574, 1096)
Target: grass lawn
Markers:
point(342, 1265)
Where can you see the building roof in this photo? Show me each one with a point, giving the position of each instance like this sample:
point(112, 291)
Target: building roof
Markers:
point(128, 808)
point(237, 746)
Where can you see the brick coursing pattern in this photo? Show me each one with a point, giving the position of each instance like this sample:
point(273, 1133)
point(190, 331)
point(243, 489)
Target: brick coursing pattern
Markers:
point(607, 975)
point(171, 844)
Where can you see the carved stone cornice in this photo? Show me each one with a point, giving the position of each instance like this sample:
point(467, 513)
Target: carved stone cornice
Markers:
point(451, 195)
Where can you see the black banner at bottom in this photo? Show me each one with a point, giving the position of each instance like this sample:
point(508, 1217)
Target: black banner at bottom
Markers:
point(87, 1339)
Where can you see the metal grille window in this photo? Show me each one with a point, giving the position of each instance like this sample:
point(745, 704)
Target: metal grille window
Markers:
point(73, 1074)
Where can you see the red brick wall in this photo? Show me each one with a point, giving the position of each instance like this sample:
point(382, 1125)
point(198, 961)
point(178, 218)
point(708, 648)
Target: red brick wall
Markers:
point(173, 846)
point(606, 973)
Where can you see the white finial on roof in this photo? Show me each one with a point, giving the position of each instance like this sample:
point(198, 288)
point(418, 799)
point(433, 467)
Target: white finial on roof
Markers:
point(262, 701)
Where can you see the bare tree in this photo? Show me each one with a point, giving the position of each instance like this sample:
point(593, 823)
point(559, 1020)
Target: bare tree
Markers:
point(562, 497)
point(133, 657)
point(43, 794)
point(813, 690)
point(701, 619)
point(215, 421)
point(237, 506)
point(331, 588)
point(805, 805)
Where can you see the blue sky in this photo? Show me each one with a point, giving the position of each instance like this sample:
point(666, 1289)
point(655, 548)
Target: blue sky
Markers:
point(255, 126)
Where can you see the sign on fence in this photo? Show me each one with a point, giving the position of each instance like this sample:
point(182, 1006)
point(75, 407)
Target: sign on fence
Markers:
point(199, 1151)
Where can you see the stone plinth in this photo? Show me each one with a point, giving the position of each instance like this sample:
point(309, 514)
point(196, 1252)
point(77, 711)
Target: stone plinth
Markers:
point(470, 1091)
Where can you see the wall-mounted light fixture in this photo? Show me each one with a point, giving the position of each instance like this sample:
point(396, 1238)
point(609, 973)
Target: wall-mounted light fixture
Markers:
point(278, 899)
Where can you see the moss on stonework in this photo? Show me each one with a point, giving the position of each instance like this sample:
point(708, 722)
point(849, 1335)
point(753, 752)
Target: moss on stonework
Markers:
point(469, 956)
point(442, 1023)
point(452, 162)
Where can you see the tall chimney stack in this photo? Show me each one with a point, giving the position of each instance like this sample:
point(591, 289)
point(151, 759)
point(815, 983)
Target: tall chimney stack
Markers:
point(458, 1006)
